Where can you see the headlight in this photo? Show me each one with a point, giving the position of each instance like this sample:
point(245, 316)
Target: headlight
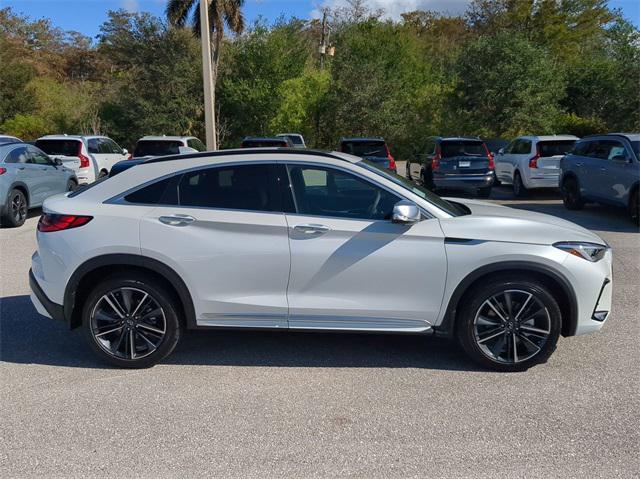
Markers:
point(590, 251)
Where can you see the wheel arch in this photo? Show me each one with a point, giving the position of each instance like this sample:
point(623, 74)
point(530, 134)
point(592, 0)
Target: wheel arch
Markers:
point(84, 277)
point(559, 286)
point(19, 185)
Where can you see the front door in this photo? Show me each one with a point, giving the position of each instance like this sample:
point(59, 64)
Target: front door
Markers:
point(351, 267)
point(223, 231)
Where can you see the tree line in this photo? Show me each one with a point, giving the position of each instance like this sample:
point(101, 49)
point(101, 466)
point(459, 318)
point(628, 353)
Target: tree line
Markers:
point(503, 68)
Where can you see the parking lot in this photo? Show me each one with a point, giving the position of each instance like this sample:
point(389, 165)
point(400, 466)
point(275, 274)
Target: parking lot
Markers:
point(316, 405)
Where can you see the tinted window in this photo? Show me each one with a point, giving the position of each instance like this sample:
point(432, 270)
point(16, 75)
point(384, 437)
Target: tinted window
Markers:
point(93, 145)
point(603, 149)
point(264, 143)
point(242, 187)
point(157, 148)
point(636, 147)
point(521, 147)
point(19, 155)
point(449, 149)
point(113, 147)
point(38, 157)
point(104, 147)
point(196, 144)
point(155, 193)
point(60, 147)
point(295, 139)
point(581, 148)
point(329, 192)
point(365, 148)
point(555, 148)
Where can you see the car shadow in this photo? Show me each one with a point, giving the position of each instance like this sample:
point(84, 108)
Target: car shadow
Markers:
point(28, 338)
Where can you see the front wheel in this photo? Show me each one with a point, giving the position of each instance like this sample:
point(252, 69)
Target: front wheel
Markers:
point(131, 321)
point(519, 190)
point(634, 207)
point(71, 185)
point(509, 324)
point(571, 196)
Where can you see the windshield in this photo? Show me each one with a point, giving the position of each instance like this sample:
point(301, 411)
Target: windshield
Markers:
point(422, 192)
point(555, 148)
point(59, 147)
point(365, 148)
point(157, 148)
point(451, 149)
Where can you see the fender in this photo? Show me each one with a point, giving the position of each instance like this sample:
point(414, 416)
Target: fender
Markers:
point(128, 260)
point(569, 324)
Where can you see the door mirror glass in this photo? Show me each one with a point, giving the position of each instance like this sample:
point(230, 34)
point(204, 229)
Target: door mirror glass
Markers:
point(125, 151)
point(405, 212)
point(501, 151)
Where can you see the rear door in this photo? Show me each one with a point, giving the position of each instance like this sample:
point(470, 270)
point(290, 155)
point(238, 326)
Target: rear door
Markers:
point(223, 231)
point(615, 177)
point(463, 157)
point(51, 179)
point(351, 267)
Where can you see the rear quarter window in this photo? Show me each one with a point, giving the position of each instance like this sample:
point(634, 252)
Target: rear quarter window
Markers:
point(163, 191)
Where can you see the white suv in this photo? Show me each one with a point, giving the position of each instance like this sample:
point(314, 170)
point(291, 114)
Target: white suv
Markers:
point(90, 156)
point(148, 146)
point(303, 240)
point(532, 161)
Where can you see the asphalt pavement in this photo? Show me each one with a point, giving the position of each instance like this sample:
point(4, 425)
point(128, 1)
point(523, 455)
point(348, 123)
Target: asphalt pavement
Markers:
point(234, 404)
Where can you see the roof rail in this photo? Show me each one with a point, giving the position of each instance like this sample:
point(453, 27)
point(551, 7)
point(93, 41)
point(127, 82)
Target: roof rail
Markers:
point(246, 151)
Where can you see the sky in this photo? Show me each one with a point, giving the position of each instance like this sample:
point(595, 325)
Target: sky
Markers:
point(86, 16)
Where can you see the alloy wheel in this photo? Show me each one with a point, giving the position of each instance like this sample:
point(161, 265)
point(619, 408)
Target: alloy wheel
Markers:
point(19, 207)
point(512, 326)
point(128, 323)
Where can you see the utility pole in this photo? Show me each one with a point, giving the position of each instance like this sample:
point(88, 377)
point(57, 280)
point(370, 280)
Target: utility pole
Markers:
point(323, 38)
point(207, 77)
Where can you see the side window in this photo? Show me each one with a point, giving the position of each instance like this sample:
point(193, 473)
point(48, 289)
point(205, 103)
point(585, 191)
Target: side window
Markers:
point(524, 147)
point(104, 147)
point(93, 145)
point(39, 158)
point(196, 144)
point(600, 149)
point(617, 149)
point(581, 147)
point(161, 192)
point(113, 146)
point(328, 192)
point(18, 155)
point(516, 146)
point(240, 187)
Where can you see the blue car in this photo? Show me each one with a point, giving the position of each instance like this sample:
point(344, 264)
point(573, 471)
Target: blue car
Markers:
point(603, 169)
point(28, 177)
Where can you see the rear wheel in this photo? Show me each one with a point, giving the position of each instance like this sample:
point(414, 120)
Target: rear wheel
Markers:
point(407, 172)
point(131, 321)
point(509, 324)
point(16, 209)
point(571, 196)
point(519, 189)
point(634, 206)
point(71, 185)
point(484, 192)
point(102, 174)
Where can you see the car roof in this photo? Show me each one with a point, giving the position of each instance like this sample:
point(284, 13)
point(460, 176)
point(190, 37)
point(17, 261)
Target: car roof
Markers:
point(165, 137)
point(255, 151)
point(458, 138)
point(629, 136)
point(548, 137)
point(356, 139)
point(289, 134)
point(262, 138)
point(70, 137)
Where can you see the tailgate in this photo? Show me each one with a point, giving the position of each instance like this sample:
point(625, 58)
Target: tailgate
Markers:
point(550, 162)
point(464, 165)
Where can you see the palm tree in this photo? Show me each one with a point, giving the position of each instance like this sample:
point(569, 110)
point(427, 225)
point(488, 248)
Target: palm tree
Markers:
point(221, 13)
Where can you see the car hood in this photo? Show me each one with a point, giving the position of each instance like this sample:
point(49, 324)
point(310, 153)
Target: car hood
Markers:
point(492, 222)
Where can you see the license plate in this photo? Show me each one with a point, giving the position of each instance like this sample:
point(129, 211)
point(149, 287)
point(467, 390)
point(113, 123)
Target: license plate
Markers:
point(464, 164)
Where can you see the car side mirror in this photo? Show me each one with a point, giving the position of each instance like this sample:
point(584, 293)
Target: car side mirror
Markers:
point(57, 161)
point(125, 151)
point(620, 159)
point(405, 212)
point(186, 149)
point(501, 151)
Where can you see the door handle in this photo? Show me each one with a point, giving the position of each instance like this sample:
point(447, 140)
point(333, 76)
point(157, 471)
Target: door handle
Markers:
point(602, 168)
point(578, 164)
point(177, 220)
point(311, 229)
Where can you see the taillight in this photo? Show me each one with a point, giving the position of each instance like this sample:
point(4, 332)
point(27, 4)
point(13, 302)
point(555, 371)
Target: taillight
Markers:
point(392, 161)
point(492, 164)
point(3, 171)
point(54, 222)
point(435, 162)
point(533, 162)
point(84, 160)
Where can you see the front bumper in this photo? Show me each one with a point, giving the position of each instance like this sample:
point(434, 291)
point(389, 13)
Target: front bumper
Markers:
point(42, 303)
point(463, 182)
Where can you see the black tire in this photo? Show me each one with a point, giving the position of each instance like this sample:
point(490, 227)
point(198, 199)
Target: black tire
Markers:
point(71, 185)
point(426, 176)
point(519, 190)
point(16, 209)
point(484, 192)
point(496, 181)
point(98, 316)
point(489, 340)
point(634, 206)
point(407, 172)
point(571, 196)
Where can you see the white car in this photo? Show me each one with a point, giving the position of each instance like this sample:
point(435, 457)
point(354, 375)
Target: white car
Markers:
point(149, 146)
point(8, 139)
point(302, 240)
point(90, 156)
point(532, 162)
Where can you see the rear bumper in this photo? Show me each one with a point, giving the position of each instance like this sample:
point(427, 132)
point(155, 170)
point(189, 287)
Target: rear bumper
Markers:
point(462, 182)
point(42, 303)
point(542, 181)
